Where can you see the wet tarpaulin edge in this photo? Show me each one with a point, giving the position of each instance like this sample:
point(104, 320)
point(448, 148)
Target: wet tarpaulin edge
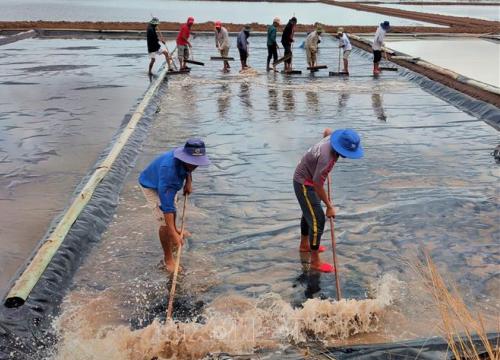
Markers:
point(17, 37)
point(489, 113)
point(434, 348)
point(26, 331)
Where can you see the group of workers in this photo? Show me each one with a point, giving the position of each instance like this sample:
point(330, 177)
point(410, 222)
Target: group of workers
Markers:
point(172, 171)
point(222, 43)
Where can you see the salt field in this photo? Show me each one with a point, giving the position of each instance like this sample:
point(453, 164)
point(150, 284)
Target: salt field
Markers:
point(427, 179)
point(489, 12)
point(81, 118)
point(455, 54)
point(61, 102)
point(178, 10)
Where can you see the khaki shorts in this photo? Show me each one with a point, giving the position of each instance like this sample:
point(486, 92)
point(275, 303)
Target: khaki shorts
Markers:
point(224, 52)
point(311, 57)
point(346, 54)
point(153, 54)
point(183, 52)
point(153, 201)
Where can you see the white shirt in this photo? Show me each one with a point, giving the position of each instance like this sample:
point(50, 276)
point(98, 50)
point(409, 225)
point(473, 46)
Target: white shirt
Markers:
point(312, 41)
point(345, 43)
point(222, 38)
point(378, 40)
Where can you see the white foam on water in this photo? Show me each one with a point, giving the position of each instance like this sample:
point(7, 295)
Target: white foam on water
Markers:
point(232, 324)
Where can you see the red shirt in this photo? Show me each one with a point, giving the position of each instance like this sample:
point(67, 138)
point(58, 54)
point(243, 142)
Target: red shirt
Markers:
point(184, 33)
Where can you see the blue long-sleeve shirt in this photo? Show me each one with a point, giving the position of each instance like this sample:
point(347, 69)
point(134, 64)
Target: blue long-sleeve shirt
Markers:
point(166, 175)
point(241, 41)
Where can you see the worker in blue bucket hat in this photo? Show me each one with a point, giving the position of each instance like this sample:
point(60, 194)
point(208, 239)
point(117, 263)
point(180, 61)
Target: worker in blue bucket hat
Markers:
point(308, 183)
point(378, 44)
point(160, 182)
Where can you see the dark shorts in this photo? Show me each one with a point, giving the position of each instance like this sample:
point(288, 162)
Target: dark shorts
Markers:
point(377, 56)
point(243, 54)
point(313, 217)
point(272, 52)
point(288, 51)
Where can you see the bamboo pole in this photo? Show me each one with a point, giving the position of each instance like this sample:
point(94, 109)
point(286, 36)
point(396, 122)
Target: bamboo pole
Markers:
point(29, 278)
point(171, 296)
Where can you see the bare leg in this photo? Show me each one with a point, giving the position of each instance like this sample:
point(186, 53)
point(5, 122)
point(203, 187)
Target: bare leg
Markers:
point(168, 59)
point(346, 65)
point(304, 243)
point(167, 249)
point(151, 63)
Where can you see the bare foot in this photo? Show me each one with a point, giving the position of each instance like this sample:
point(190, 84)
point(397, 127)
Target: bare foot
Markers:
point(170, 266)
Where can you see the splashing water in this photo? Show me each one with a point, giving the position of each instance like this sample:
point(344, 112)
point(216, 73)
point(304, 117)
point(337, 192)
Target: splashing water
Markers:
point(232, 324)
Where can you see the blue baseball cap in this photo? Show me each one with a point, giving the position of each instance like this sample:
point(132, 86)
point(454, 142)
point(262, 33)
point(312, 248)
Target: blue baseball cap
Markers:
point(347, 143)
point(193, 152)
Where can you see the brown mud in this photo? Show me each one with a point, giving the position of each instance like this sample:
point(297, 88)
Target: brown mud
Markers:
point(427, 3)
point(207, 26)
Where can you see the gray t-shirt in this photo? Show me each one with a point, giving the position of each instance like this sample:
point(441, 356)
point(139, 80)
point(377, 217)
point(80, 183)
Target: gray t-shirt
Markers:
point(315, 165)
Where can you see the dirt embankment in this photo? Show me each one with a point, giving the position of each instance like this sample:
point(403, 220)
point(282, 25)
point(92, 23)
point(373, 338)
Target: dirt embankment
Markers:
point(428, 3)
point(465, 24)
point(209, 26)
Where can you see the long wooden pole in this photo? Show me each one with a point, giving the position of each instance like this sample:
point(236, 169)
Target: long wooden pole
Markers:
point(170, 307)
point(334, 248)
point(338, 70)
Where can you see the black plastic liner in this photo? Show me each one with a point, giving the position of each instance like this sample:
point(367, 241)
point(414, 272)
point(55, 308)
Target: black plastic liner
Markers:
point(25, 332)
point(427, 349)
point(18, 36)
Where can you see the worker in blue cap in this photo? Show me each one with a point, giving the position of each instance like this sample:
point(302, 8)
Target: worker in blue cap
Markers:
point(160, 182)
point(378, 44)
point(308, 183)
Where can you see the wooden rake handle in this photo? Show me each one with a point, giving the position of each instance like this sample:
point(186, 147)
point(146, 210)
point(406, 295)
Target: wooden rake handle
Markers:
point(334, 248)
point(170, 307)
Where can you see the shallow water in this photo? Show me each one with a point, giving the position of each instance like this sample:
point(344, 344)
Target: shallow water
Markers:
point(427, 180)
point(61, 101)
point(457, 54)
point(491, 12)
point(178, 10)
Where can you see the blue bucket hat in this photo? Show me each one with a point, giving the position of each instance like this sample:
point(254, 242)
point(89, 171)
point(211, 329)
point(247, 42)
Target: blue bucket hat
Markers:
point(347, 143)
point(193, 152)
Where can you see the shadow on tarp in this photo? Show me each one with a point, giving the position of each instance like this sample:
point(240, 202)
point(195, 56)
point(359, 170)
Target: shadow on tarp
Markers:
point(25, 332)
point(423, 349)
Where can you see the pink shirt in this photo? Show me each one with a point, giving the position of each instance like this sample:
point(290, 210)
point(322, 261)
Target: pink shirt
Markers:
point(316, 163)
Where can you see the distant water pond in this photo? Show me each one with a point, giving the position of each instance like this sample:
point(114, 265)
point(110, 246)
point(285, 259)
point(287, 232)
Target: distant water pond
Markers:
point(178, 10)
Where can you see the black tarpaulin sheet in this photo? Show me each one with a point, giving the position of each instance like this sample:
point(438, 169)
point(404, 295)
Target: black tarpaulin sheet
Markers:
point(26, 330)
